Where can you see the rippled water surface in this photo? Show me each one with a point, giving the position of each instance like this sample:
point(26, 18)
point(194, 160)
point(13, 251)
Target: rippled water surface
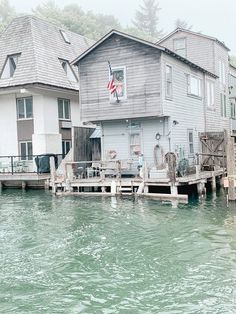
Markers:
point(97, 255)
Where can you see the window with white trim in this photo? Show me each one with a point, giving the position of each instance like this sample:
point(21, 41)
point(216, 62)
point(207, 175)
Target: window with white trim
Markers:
point(66, 146)
point(26, 150)
point(68, 70)
point(10, 66)
point(180, 46)
point(168, 83)
point(63, 109)
point(194, 85)
point(190, 142)
point(233, 109)
point(223, 109)
point(210, 88)
point(24, 108)
point(119, 74)
point(222, 72)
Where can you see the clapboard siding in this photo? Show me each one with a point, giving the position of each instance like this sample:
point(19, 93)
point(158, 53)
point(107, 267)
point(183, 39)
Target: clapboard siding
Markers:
point(207, 52)
point(116, 137)
point(142, 65)
point(187, 111)
point(199, 50)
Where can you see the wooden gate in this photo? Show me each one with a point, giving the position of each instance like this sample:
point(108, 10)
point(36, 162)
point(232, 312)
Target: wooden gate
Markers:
point(213, 150)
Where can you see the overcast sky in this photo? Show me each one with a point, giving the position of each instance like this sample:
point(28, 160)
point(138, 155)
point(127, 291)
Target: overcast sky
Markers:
point(211, 17)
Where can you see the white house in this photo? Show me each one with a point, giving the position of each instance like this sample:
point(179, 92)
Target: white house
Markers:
point(39, 89)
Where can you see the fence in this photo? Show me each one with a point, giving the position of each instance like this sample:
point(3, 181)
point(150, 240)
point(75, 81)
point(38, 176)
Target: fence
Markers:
point(28, 163)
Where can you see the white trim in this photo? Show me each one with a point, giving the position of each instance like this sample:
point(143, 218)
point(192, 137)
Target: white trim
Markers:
point(112, 96)
point(168, 97)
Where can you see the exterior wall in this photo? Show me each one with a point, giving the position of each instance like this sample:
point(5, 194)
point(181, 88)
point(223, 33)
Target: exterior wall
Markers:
point(187, 111)
point(199, 50)
point(8, 126)
point(207, 53)
point(142, 65)
point(46, 137)
point(116, 137)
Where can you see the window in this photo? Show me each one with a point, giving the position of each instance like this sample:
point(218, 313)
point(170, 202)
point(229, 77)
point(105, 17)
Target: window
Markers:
point(63, 109)
point(180, 46)
point(168, 85)
point(26, 151)
point(24, 108)
point(64, 36)
point(68, 70)
point(66, 146)
point(190, 142)
point(223, 105)
point(210, 86)
point(120, 82)
point(194, 86)
point(222, 72)
point(10, 66)
point(233, 109)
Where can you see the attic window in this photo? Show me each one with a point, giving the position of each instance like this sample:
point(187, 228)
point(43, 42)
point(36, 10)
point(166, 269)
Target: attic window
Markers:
point(64, 36)
point(10, 66)
point(68, 70)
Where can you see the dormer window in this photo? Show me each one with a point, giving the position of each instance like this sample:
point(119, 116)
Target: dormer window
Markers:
point(64, 36)
point(10, 66)
point(68, 70)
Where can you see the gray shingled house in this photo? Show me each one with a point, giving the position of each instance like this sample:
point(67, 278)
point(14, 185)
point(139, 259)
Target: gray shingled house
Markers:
point(39, 89)
point(165, 98)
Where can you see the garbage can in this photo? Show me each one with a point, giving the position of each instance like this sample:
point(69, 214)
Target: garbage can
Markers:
point(43, 163)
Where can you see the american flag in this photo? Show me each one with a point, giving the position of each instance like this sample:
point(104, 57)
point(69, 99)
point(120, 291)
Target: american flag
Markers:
point(111, 85)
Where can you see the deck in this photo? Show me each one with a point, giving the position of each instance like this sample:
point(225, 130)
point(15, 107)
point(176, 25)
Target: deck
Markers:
point(23, 180)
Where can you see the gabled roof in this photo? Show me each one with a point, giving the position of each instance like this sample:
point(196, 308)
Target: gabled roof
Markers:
point(179, 29)
point(145, 42)
point(41, 45)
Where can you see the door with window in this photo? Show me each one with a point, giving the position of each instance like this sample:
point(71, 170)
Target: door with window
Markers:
point(26, 150)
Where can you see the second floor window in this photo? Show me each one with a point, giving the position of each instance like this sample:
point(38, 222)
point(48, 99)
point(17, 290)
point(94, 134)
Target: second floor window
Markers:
point(210, 94)
point(223, 110)
point(24, 108)
point(64, 109)
point(120, 82)
point(233, 109)
point(168, 85)
point(194, 85)
point(222, 72)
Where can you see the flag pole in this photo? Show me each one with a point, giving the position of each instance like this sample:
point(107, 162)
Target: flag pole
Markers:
point(111, 74)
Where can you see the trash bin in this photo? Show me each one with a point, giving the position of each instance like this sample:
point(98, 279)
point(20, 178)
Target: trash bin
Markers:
point(43, 163)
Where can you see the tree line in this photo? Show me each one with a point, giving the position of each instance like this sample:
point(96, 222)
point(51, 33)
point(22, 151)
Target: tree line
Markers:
point(72, 17)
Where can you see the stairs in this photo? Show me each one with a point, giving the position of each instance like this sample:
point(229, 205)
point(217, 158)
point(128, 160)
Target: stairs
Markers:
point(127, 189)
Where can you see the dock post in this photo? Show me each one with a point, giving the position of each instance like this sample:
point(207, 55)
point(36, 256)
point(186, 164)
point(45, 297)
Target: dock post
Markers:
point(213, 183)
point(0, 186)
point(201, 188)
point(173, 190)
point(23, 185)
point(113, 187)
point(231, 169)
point(53, 174)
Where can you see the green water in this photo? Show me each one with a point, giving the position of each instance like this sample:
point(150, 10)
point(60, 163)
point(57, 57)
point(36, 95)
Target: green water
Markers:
point(91, 255)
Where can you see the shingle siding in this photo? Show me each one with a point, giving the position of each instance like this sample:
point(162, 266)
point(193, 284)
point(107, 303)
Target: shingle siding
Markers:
point(40, 44)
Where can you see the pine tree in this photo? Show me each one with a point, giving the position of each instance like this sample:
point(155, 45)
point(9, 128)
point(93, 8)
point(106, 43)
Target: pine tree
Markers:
point(146, 19)
point(182, 24)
